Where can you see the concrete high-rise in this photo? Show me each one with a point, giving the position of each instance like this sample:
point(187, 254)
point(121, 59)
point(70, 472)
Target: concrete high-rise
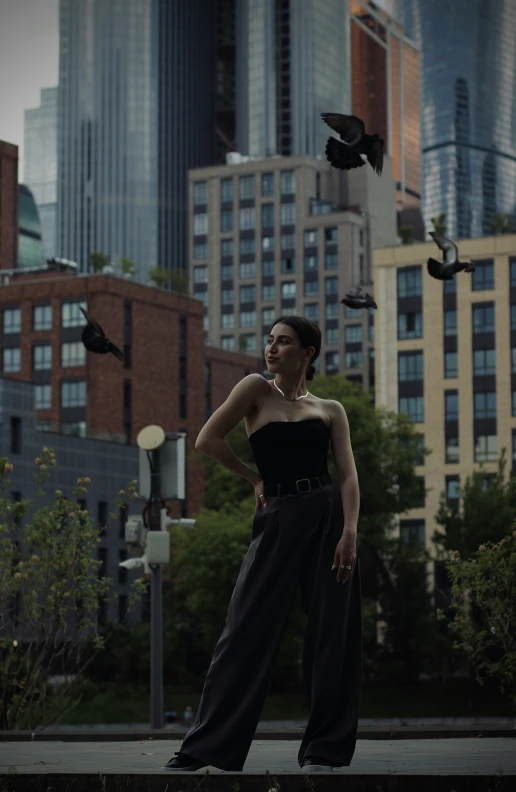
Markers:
point(468, 105)
point(135, 112)
point(292, 63)
point(40, 163)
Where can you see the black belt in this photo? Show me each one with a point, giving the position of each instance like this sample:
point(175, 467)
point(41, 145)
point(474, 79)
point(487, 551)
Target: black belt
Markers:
point(276, 489)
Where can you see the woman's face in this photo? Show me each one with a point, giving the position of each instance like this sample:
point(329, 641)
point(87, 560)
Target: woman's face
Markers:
point(283, 345)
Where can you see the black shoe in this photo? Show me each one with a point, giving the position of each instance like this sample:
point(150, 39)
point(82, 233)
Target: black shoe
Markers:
point(184, 762)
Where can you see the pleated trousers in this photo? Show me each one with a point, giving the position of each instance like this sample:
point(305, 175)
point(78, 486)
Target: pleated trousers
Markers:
point(293, 544)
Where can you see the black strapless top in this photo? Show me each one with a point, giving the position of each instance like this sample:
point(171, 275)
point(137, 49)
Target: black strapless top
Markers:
point(285, 450)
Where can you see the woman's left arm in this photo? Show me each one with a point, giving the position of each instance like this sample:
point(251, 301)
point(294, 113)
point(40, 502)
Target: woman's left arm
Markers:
point(345, 465)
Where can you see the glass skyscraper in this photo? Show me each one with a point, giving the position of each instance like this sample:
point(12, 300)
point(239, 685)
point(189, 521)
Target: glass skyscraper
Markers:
point(468, 118)
point(31, 252)
point(292, 64)
point(40, 163)
point(135, 112)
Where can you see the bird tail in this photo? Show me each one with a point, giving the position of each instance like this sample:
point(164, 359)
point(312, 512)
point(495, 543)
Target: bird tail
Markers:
point(369, 301)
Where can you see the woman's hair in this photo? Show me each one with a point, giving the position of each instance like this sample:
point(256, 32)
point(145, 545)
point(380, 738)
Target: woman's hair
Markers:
point(309, 334)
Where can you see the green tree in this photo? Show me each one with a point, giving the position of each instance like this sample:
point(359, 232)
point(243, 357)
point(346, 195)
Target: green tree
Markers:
point(502, 223)
point(175, 278)
point(127, 267)
point(159, 277)
point(49, 598)
point(439, 224)
point(406, 234)
point(98, 261)
point(484, 623)
point(487, 505)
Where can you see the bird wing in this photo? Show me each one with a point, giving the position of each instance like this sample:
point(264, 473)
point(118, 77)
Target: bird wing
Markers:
point(448, 247)
point(350, 128)
point(434, 269)
point(116, 351)
point(92, 321)
point(375, 156)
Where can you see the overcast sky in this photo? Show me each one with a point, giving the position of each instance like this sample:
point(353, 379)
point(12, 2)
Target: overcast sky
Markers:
point(29, 57)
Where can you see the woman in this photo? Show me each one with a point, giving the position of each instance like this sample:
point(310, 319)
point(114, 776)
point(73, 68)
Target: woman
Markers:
point(304, 523)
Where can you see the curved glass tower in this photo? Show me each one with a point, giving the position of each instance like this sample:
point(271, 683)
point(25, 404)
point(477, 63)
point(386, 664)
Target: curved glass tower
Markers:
point(468, 108)
point(31, 252)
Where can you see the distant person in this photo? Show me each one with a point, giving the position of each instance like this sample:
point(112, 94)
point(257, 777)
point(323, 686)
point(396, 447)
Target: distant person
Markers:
point(170, 716)
point(304, 523)
point(188, 715)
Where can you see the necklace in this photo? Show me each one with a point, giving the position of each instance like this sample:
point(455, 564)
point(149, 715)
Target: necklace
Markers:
point(286, 397)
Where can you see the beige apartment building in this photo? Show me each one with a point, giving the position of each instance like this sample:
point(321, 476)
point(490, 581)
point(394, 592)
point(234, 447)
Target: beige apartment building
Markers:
point(288, 235)
point(446, 354)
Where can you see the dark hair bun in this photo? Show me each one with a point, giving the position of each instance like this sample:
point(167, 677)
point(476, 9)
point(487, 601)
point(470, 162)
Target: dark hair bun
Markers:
point(310, 372)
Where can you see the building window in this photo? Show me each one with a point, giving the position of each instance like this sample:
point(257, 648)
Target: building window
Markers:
point(483, 276)
point(247, 218)
point(288, 214)
point(201, 250)
point(412, 532)
point(268, 244)
point(311, 289)
point(43, 397)
point(421, 496)
point(331, 285)
point(248, 270)
point(11, 360)
point(410, 366)
point(452, 450)
point(288, 242)
point(452, 488)
point(410, 325)
point(75, 428)
point(287, 182)
point(42, 357)
point(413, 406)
point(512, 271)
point(486, 448)
point(330, 236)
point(310, 238)
point(409, 282)
point(248, 246)
point(71, 315)
point(451, 365)
point(420, 449)
point(288, 289)
point(484, 362)
point(226, 189)
point(267, 184)
point(331, 261)
point(73, 394)
point(483, 318)
point(246, 187)
point(42, 317)
point(267, 215)
point(248, 293)
point(352, 359)
point(451, 405)
point(485, 405)
point(513, 403)
point(354, 334)
point(200, 193)
point(12, 320)
point(16, 428)
point(450, 322)
point(200, 224)
point(310, 263)
point(226, 220)
point(226, 247)
point(72, 354)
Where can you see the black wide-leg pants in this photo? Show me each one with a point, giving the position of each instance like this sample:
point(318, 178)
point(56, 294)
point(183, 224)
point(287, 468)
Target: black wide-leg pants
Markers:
point(293, 543)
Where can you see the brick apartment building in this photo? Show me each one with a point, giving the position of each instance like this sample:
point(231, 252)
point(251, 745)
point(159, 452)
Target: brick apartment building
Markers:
point(8, 205)
point(170, 377)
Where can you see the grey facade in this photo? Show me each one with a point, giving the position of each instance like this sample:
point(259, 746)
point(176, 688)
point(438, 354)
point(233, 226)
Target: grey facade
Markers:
point(293, 62)
point(31, 250)
point(109, 465)
point(468, 109)
point(135, 111)
point(40, 163)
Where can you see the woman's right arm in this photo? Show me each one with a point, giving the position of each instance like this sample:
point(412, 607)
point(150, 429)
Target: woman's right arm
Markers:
point(211, 439)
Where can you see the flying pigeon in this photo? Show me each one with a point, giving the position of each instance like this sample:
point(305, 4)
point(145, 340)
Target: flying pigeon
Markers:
point(95, 340)
point(354, 299)
point(450, 264)
point(355, 142)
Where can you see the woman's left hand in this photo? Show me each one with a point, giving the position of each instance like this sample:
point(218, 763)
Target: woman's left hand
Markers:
point(345, 555)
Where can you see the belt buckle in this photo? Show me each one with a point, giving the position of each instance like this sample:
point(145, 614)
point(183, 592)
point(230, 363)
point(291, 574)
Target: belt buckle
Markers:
point(306, 490)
